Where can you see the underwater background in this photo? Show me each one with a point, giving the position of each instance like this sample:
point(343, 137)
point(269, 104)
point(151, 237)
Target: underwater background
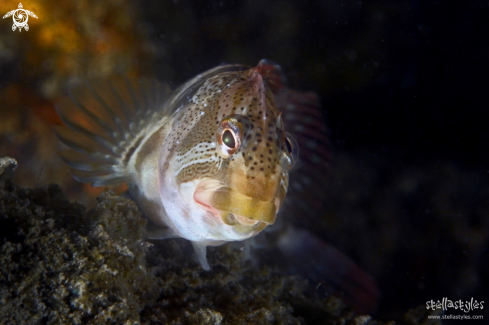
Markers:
point(404, 88)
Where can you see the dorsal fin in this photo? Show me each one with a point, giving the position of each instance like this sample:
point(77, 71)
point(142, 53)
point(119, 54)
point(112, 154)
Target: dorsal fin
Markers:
point(107, 121)
point(305, 252)
point(303, 118)
point(273, 74)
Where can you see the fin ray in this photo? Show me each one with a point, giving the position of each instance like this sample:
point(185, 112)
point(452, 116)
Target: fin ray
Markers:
point(106, 121)
point(80, 143)
point(111, 146)
point(77, 160)
point(92, 117)
point(113, 115)
point(98, 178)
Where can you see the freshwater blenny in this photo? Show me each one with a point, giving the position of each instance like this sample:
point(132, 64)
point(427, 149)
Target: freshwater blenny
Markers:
point(208, 161)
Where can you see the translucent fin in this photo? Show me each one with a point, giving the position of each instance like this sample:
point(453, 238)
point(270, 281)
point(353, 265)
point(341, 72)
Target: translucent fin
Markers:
point(107, 122)
point(247, 249)
point(303, 118)
point(305, 252)
point(161, 233)
point(201, 252)
point(321, 263)
point(273, 74)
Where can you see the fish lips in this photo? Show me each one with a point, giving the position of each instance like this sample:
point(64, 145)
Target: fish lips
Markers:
point(236, 209)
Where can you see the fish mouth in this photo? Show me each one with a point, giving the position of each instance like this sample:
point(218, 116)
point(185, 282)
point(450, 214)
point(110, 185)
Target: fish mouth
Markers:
point(234, 208)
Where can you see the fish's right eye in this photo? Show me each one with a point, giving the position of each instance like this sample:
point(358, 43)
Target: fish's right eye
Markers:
point(229, 136)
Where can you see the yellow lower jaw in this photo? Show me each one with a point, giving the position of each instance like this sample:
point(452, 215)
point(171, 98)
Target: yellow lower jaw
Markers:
point(241, 206)
point(238, 204)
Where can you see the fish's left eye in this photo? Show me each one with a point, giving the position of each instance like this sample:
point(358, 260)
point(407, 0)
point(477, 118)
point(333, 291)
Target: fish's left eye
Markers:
point(229, 136)
point(228, 139)
point(291, 153)
point(288, 145)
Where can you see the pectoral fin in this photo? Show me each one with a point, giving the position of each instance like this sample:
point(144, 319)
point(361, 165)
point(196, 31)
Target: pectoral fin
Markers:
point(108, 121)
point(201, 253)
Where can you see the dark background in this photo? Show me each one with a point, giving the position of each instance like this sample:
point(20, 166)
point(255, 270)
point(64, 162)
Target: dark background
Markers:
point(403, 85)
point(407, 77)
point(404, 88)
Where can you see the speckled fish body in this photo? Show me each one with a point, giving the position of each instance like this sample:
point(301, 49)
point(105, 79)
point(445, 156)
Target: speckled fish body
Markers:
point(208, 161)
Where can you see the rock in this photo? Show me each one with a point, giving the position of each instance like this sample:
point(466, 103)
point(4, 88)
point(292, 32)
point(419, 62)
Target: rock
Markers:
point(7, 167)
point(62, 265)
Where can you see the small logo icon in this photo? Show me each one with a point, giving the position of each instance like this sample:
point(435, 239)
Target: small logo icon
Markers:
point(20, 16)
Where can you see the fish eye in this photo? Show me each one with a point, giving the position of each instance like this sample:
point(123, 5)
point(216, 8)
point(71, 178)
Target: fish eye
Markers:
point(228, 139)
point(291, 154)
point(229, 136)
point(288, 145)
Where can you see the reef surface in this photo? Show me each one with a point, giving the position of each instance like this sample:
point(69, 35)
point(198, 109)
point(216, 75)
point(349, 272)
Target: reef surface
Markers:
point(61, 264)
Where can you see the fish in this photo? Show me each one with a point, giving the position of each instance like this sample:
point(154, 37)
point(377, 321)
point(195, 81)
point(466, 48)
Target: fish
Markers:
point(207, 162)
point(210, 161)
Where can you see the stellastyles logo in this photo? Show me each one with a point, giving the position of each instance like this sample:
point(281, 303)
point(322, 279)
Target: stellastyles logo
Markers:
point(465, 306)
point(20, 17)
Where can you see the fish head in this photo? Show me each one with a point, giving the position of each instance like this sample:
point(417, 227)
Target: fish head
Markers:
point(228, 155)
